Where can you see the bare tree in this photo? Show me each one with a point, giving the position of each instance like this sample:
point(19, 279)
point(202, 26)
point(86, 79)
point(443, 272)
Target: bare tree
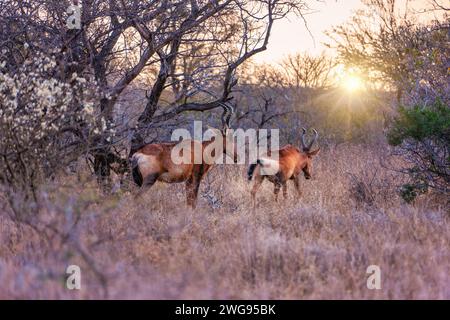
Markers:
point(263, 98)
point(308, 71)
point(191, 50)
point(411, 58)
point(391, 49)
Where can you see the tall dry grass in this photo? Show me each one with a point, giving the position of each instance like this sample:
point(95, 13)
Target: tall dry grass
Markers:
point(314, 247)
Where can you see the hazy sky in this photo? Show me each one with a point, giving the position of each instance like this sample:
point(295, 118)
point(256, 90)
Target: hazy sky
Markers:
point(290, 36)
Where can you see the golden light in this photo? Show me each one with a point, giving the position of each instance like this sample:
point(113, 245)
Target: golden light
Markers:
point(352, 83)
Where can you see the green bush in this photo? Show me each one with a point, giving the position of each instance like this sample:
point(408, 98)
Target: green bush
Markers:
point(420, 122)
point(422, 135)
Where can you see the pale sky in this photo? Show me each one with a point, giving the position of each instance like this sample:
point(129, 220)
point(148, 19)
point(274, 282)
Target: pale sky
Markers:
point(290, 35)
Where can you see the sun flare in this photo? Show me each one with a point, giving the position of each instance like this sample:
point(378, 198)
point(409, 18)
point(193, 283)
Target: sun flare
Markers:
point(352, 83)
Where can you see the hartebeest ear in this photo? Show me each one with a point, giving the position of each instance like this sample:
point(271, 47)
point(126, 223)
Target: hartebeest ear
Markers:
point(313, 153)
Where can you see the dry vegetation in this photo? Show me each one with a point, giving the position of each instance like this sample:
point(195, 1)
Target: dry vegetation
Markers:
point(318, 246)
point(75, 105)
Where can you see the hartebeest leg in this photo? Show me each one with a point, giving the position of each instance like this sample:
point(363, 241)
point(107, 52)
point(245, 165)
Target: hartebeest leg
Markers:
point(258, 181)
point(196, 186)
point(147, 183)
point(190, 192)
point(285, 194)
point(297, 185)
point(193, 184)
point(276, 190)
point(192, 187)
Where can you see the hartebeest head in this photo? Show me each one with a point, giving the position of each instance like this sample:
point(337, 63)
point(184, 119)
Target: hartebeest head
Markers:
point(229, 146)
point(307, 168)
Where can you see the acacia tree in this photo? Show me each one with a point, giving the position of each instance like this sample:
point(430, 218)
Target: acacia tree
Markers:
point(195, 48)
point(305, 70)
point(284, 93)
point(413, 59)
point(394, 50)
point(264, 99)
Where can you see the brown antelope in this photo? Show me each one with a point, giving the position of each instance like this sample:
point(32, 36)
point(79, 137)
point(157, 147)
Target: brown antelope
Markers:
point(153, 162)
point(291, 162)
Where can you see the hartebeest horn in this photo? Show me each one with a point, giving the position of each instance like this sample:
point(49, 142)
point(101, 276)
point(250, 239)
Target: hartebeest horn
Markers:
point(226, 116)
point(303, 139)
point(307, 147)
point(316, 135)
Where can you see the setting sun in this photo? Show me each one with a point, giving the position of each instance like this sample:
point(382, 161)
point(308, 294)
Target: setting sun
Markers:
point(352, 83)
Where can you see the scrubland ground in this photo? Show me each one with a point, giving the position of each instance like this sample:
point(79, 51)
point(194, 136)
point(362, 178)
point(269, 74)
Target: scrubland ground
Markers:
point(317, 246)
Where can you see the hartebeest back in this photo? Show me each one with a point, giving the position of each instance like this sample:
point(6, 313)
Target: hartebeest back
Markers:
point(291, 163)
point(153, 162)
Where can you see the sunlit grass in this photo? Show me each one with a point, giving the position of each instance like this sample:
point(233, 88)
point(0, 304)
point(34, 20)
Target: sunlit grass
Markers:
point(316, 246)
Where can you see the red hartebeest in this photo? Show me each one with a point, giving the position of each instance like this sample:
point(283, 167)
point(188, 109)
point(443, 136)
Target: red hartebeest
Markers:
point(291, 162)
point(153, 162)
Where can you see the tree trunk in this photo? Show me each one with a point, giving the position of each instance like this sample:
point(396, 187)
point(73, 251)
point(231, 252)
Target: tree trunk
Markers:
point(104, 155)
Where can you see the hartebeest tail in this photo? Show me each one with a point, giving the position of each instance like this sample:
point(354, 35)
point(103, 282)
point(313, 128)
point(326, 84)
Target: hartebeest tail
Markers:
point(291, 162)
point(251, 169)
point(137, 176)
point(153, 162)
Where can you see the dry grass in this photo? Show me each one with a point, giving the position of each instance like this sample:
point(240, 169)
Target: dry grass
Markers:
point(315, 247)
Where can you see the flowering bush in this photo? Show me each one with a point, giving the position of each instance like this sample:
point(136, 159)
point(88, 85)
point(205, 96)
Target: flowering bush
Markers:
point(46, 120)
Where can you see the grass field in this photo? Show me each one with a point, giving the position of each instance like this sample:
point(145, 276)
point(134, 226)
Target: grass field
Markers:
point(317, 246)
